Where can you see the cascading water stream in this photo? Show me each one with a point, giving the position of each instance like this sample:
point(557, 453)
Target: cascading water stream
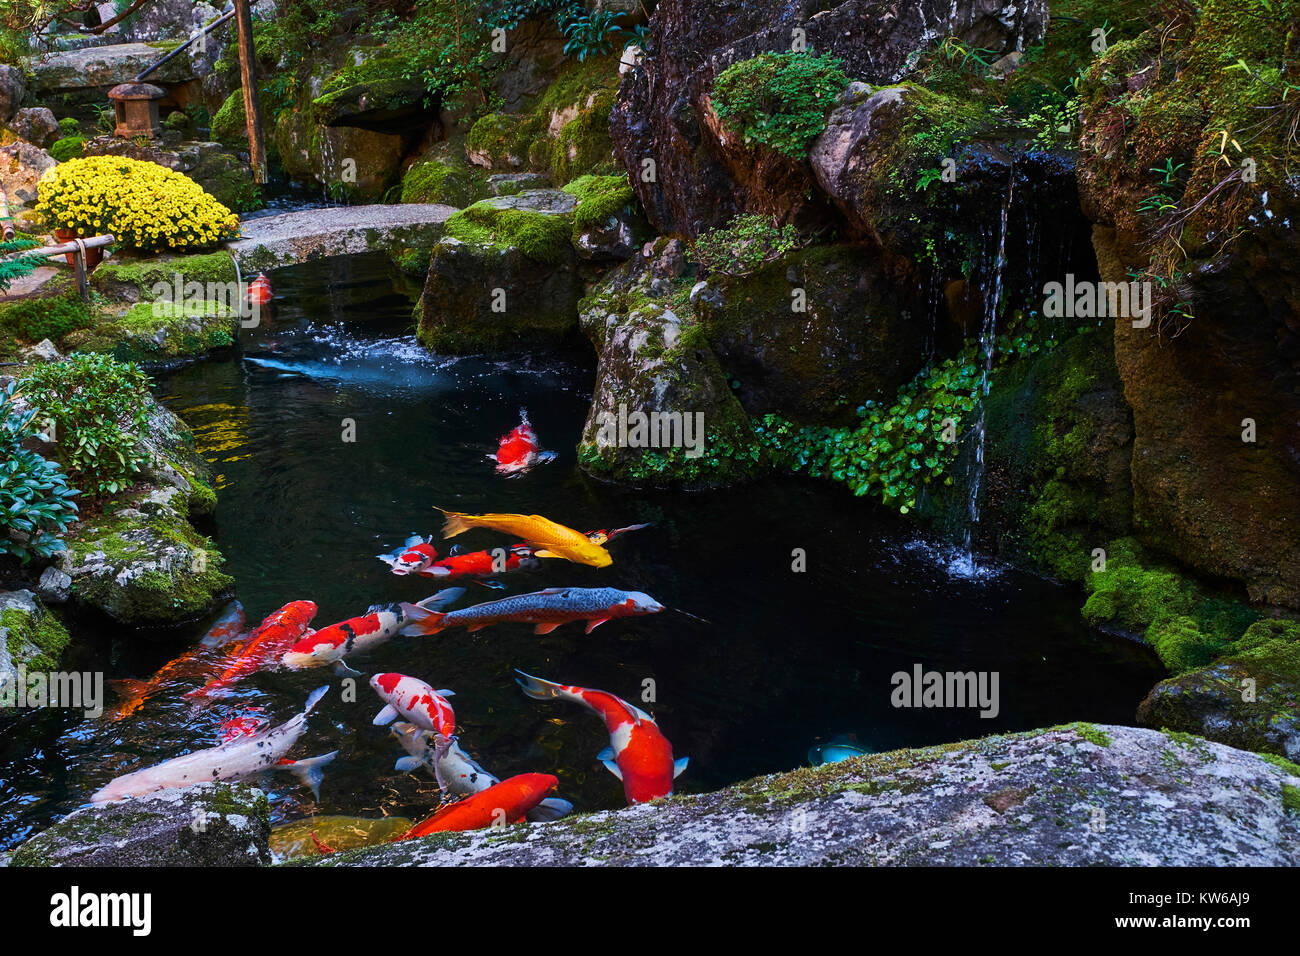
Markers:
point(988, 338)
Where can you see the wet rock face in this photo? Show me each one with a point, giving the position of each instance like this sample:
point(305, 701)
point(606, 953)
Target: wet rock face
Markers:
point(663, 113)
point(815, 334)
point(211, 824)
point(1072, 796)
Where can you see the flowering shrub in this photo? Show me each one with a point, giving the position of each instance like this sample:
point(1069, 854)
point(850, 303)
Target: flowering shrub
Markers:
point(144, 205)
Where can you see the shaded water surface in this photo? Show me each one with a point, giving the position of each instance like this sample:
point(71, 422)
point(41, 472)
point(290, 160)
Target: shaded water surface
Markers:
point(780, 660)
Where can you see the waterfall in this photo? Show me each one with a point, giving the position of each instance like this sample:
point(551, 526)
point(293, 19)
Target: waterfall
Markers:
point(988, 336)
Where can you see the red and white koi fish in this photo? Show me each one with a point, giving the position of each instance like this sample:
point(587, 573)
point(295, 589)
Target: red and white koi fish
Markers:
point(259, 290)
point(548, 609)
point(263, 647)
point(198, 661)
point(638, 754)
point(517, 451)
point(508, 801)
point(415, 700)
point(412, 557)
point(356, 635)
point(458, 772)
point(237, 759)
point(482, 564)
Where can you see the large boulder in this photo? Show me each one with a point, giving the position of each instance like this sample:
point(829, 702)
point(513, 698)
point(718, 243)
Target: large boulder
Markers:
point(36, 125)
point(21, 167)
point(656, 370)
point(663, 111)
point(352, 163)
point(30, 636)
point(140, 561)
point(12, 89)
point(91, 72)
point(1071, 796)
point(1248, 698)
point(815, 334)
point(1211, 377)
point(211, 824)
point(503, 277)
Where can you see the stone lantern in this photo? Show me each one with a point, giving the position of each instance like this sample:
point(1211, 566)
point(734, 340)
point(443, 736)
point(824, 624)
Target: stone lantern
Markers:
point(136, 106)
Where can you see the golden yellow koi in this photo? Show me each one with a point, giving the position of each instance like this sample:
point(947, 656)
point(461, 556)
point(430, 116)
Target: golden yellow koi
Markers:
point(552, 540)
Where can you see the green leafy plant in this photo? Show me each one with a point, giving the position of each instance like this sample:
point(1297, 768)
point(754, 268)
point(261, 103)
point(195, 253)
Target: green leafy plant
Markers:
point(779, 99)
point(897, 449)
point(743, 245)
point(588, 32)
point(97, 407)
point(12, 264)
point(36, 503)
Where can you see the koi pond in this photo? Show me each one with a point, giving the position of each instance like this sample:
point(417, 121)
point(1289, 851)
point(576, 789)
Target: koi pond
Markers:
point(753, 663)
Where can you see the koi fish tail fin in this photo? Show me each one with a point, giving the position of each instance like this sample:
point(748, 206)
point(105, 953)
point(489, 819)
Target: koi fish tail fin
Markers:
point(544, 456)
point(314, 699)
point(455, 523)
point(552, 808)
point(423, 623)
point(444, 598)
point(523, 417)
point(309, 771)
point(539, 689)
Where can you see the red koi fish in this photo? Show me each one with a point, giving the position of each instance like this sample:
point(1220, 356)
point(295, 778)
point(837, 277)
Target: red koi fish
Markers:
point(415, 700)
point(263, 647)
point(259, 291)
point(480, 564)
point(638, 754)
point(508, 801)
point(197, 661)
point(380, 624)
point(517, 451)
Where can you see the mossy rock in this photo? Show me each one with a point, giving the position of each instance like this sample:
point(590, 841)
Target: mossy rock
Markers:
point(154, 334)
point(854, 339)
point(1248, 698)
point(208, 825)
point(31, 636)
point(374, 94)
point(134, 280)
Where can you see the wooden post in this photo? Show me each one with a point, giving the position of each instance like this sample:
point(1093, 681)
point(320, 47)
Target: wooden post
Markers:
point(248, 77)
point(6, 223)
point(79, 263)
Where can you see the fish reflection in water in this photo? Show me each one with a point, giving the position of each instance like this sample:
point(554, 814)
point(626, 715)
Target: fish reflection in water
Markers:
point(839, 747)
point(290, 840)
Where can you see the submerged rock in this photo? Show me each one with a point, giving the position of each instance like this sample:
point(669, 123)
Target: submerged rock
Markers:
point(1071, 796)
point(211, 824)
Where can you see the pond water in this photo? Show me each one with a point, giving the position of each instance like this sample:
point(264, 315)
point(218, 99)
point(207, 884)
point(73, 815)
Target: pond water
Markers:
point(764, 663)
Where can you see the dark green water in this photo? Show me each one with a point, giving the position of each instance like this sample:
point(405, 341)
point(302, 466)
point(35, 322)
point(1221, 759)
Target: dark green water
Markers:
point(781, 660)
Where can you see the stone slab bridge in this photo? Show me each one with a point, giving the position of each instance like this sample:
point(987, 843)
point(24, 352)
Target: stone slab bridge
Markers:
point(268, 242)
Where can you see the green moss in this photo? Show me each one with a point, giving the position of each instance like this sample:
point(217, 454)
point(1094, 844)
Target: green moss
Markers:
point(779, 99)
point(70, 147)
point(142, 275)
point(1181, 644)
point(1279, 761)
point(31, 320)
point(1291, 798)
point(599, 198)
point(438, 182)
point(541, 237)
point(1091, 733)
point(154, 596)
point(43, 630)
